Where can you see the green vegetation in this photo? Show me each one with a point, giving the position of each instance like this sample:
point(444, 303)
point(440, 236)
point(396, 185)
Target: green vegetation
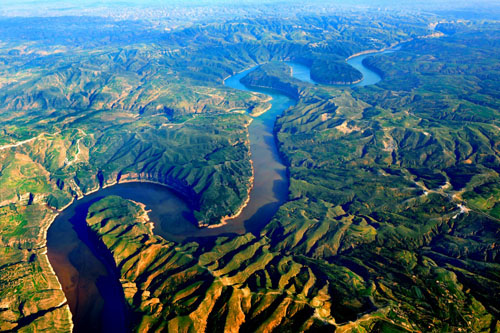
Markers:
point(236, 284)
point(277, 76)
point(28, 288)
point(376, 177)
point(486, 198)
point(334, 72)
point(392, 222)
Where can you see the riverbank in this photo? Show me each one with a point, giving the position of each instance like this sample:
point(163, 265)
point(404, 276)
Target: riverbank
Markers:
point(394, 45)
point(267, 191)
point(46, 266)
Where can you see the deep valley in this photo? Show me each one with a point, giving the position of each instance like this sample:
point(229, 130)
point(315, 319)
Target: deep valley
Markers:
point(241, 171)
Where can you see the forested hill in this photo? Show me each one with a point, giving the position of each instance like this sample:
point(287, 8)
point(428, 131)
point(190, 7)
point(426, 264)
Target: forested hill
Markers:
point(392, 217)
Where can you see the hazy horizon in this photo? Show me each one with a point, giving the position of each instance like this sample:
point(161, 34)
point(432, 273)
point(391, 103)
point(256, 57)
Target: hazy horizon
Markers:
point(95, 8)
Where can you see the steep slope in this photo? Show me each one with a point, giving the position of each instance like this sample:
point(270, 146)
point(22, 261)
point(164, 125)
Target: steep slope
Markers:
point(231, 284)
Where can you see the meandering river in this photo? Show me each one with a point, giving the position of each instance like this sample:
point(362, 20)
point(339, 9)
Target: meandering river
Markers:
point(370, 77)
point(86, 271)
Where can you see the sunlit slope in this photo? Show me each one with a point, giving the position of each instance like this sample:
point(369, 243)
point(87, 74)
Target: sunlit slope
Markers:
point(227, 285)
point(393, 212)
point(399, 190)
point(375, 237)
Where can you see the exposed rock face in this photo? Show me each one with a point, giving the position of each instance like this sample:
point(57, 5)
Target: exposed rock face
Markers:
point(31, 298)
point(246, 284)
point(233, 285)
point(370, 236)
point(38, 177)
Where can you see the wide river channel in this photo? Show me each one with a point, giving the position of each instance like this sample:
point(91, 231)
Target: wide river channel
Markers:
point(87, 273)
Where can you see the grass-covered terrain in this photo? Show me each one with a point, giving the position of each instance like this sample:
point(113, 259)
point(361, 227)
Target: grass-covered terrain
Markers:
point(276, 76)
point(30, 294)
point(392, 222)
point(378, 234)
point(396, 182)
point(334, 72)
point(229, 284)
point(219, 287)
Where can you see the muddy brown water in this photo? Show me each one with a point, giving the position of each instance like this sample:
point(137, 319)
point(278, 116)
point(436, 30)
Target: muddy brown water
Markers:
point(86, 269)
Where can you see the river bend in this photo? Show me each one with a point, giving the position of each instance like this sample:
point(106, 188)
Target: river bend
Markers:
point(86, 271)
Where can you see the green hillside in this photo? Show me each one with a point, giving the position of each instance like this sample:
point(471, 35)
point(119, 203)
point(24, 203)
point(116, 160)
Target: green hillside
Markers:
point(393, 214)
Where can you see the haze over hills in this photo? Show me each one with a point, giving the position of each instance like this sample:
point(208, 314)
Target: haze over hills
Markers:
point(384, 209)
point(210, 10)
